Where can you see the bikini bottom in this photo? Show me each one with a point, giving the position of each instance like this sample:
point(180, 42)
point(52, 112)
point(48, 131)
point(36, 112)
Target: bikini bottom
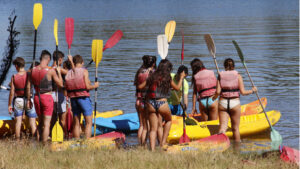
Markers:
point(229, 103)
point(156, 103)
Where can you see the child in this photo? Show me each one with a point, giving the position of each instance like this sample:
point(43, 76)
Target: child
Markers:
point(42, 77)
point(159, 84)
point(78, 85)
point(17, 99)
point(148, 67)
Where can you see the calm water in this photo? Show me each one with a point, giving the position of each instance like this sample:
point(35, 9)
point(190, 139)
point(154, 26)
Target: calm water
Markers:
point(267, 32)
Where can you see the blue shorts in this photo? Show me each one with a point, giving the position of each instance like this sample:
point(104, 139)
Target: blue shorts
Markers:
point(18, 105)
point(206, 101)
point(176, 109)
point(81, 105)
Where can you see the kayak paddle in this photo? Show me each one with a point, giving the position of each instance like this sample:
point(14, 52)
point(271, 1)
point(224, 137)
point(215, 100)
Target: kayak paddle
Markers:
point(97, 49)
point(275, 136)
point(211, 48)
point(112, 41)
point(57, 131)
point(37, 19)
point(69, 31)
point(162, 46)
point(184, 138)
point(170, 30)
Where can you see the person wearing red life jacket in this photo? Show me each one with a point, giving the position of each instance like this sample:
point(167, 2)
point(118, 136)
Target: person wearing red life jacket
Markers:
point(148, 67)
point(17, 99)
point(204, 84)
point(42, 77)
point(159, 85)
point(229, 87)
point(62, 103)
point(78, 86)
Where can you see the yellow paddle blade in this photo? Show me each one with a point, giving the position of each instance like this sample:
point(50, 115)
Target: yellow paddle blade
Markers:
point(55, 31)
point(57, 133)
point(170, 30)
point(97, 49)
point(37, 14)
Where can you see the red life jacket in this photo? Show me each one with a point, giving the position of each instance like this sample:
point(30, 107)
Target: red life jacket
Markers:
point(19, 82)
point(142, 77)
point(206, 82)
point(155, 92)
point(40, 80)
point(229, 81)
point(75, 83)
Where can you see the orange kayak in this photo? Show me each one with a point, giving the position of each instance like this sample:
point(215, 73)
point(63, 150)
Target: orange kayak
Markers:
point(246, 109)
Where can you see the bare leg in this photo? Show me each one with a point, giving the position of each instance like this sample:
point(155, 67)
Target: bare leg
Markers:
point(213, 111)
point(235, 114)
point(223, 118)
point(165, 112)
point(76, 127)
point(46, 128)
point(153, 126)
point(18, 123)
point(62, 119)
point(32, 123)
point(146, 127)
point(141, 127)
point(160, 129)
point(204, 116)
point(88, 126)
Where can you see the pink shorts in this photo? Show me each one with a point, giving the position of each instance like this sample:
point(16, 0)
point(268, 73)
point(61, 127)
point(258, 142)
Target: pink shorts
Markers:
point(46, 104)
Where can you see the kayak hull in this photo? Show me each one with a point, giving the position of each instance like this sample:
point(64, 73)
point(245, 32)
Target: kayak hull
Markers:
point(214, 143)
point(105, 141)
point(7, 125)
point(126, 123)
point(249, 125)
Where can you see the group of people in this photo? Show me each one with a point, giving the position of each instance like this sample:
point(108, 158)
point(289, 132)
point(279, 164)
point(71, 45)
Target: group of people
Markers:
point(159, 93)
point(53, 87)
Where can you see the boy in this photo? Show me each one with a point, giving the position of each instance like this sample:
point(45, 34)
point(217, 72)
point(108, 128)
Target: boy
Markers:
point(17, 99)
point(78, 85)
point(42, 77)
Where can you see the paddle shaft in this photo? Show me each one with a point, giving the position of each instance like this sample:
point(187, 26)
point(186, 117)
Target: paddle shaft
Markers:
point(56, 92)
point(34, 47)
point(257, 95)
point(95, 105)
point(215, 60)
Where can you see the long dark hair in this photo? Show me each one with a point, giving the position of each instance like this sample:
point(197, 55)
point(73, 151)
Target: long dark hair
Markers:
point(161, 77)
point(229, 64)
point(196, 65)
point(148, 61)
point(181, 69)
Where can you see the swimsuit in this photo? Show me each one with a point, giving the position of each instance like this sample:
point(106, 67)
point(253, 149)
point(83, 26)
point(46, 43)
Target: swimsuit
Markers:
point(229, 103)
point(156, 103)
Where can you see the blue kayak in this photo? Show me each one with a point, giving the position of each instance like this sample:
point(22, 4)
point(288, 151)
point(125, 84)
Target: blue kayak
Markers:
point(6, 118)
point(126, 123)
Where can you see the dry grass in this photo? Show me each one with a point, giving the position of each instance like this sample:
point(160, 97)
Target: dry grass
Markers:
point(29, 155)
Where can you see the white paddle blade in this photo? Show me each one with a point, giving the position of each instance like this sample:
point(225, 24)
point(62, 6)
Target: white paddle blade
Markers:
point(210, 44)
point(162, 46)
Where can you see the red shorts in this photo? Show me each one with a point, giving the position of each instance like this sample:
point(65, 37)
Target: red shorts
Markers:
point(46, 102)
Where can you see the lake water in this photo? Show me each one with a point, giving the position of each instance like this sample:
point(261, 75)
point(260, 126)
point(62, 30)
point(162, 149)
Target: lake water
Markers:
point(267, 32)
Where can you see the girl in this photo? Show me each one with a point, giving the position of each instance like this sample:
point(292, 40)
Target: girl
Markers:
point(159, 84)
point(149, 65)
point(204, 83)
point(229, 86)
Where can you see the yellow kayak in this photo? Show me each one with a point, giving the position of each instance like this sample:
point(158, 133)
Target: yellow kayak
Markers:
point(250, 124)
point(7, 126)
point(106, 114)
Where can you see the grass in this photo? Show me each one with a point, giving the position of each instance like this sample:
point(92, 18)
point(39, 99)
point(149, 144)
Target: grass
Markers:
point(26, 154)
